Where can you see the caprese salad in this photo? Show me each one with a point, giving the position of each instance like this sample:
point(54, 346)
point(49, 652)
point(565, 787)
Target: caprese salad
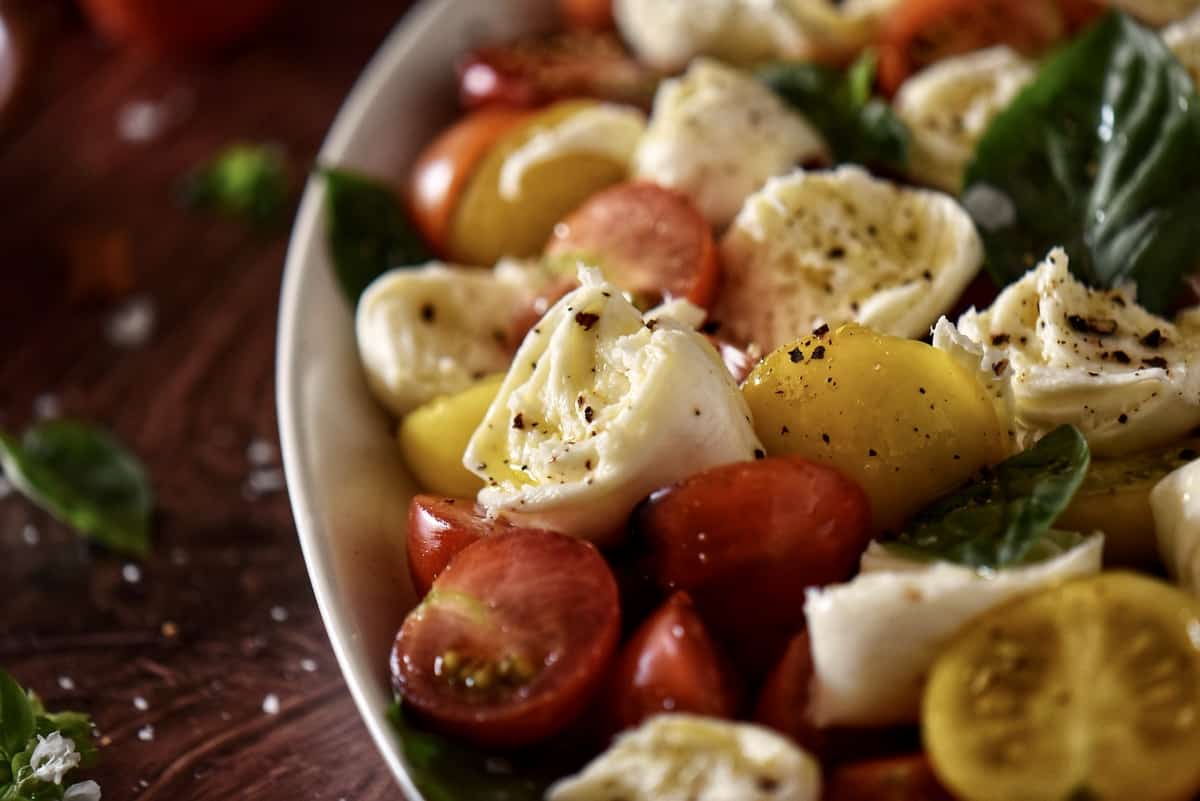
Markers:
point(802, 395)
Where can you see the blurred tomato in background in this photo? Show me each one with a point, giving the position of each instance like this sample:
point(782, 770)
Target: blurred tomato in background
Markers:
point(177, 28)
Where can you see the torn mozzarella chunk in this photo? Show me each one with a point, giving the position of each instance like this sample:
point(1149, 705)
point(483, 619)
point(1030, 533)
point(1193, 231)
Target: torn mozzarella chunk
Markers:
point(840, 246)
point(436, 329)
point(1092, 358)
point(1157, 12)
point(717, 135)
point(875, 637)
point(1175, 502)
point(692, 758)
point(602, 406)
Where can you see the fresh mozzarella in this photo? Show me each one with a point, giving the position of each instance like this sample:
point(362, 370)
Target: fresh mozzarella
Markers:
point(602, 406)
point(949, 105)
point(1183, 38)
point(1128, 379)
point(434, 330)
point(605, 129)
point(875, 637)
point(692, 758)
point(1175, 502)
point(840, 246)
point(991, 368)
point(717, 135)
point(1157, 12)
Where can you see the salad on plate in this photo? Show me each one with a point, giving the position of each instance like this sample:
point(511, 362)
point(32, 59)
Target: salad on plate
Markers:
point(805, 398)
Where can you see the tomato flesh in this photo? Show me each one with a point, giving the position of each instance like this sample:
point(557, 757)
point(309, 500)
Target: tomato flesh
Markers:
point(512, 641)
point(671, 664)
point(745, 540)
point(649, 241)
point(902, 778)
point(178, 27)
point(587, 15)
point(784, 698)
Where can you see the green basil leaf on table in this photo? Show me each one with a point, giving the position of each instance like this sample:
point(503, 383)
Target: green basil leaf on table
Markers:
point(1004, 517)
point(447, 770)
point(369, 231)
point(249, 181)
point(860, 128)
point(1099, 155)
point(85, 478)
point(16, 717)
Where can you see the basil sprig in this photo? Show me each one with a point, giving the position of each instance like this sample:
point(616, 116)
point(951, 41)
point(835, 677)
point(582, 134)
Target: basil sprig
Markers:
point(84, 477)
point(1004, 516)
point(1099, 155)
point(23, 719)
point(860, 128)
point(369, 231)
point(249, 181)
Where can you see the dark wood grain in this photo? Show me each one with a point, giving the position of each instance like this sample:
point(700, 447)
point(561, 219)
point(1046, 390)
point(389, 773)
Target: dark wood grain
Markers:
point(222, 614)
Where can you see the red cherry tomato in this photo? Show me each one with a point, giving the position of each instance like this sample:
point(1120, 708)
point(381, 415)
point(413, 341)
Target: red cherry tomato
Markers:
point(587, 15)
point(650, 241)
point(440, 173)
point(783, 699)
point(671, 665)
point(537, 70)
point(177, 27)
point(512, 640)
point(917, 33)
point(903, 778)
point(745, 540)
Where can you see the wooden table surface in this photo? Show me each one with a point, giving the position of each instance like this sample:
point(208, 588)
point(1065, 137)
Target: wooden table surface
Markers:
point(173, 658)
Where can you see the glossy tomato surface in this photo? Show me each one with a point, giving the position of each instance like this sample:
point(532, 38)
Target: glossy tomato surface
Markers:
point(648, 240)
point(512, 641)
point(177, 27)
point(443, 168)
point(587, 15)
point(902, 778)
point(671, 664)
point(783, 701)
point(746, 539)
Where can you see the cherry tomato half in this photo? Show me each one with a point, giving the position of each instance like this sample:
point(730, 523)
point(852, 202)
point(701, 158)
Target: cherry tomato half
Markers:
point(540, 69)
point(746, 540)
point(783, 699)
point(902, 778)
point(177, 27)
point(587, 15)
point(512, 640)
point(671, 665)
point(648, 240)
point(440, 173)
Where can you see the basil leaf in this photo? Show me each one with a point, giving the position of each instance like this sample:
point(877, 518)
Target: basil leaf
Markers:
point(369, 232)
point(446, 770)
point(247, 181)
point(86, 479)
point(1097, 155)
point(16, 717)
point(861, 129)
point(1004, 515)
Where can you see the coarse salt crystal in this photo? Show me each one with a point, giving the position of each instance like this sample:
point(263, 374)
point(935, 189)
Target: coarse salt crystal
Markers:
point(264, 481)
point(140, 704)
point(279, 614)
point(146, 733)
point(46, 406)
point(30, 534)
point(270, 704)
point(66, 682)
point(132, 325)
point(131, 573)
point(308, 665)
point(260, 453)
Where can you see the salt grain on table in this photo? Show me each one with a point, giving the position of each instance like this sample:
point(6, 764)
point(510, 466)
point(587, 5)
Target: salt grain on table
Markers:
point(132, 324)
point(140, 704)
point(30, 534)
point(131, 573)
point(46, 406)
point(142, 121)
point(279, 614)
point(66, 682)
point(260, 453)
point(308, 665)
point(263, 481)
point(146, 733)
point(270, 704)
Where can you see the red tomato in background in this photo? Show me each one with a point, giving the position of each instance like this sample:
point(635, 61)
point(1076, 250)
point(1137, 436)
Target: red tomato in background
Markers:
point(671, 665)
point(902, 778)
point(649, 241)
point(746, 539)
point(177, 27)
point(512, 641)
point(440, 173)
point(587, 15)
point(916, 33)
point(783, 699)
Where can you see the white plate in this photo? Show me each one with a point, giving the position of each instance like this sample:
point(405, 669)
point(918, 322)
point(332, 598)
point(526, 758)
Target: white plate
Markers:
point(348, 487)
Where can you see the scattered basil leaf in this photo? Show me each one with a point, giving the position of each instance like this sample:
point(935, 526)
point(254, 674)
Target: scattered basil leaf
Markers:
point(16, 717)
point(1098, 155)
point(369, 231)
point(249, 181)
point(860, 128)
point(446, 770)
point(1002, 516)
point(85, 478)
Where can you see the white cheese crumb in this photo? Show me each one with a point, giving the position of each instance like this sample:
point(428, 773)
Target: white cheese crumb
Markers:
point(270, 704)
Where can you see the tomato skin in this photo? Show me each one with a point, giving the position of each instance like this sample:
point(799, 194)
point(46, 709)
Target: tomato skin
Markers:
point(649, 240)
point(671, 664)
point(784, 697)
point(587, 15)
point(178, 27)
point(544, 600)
point(746, 539)
point(901, 778)
point(441, 171)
